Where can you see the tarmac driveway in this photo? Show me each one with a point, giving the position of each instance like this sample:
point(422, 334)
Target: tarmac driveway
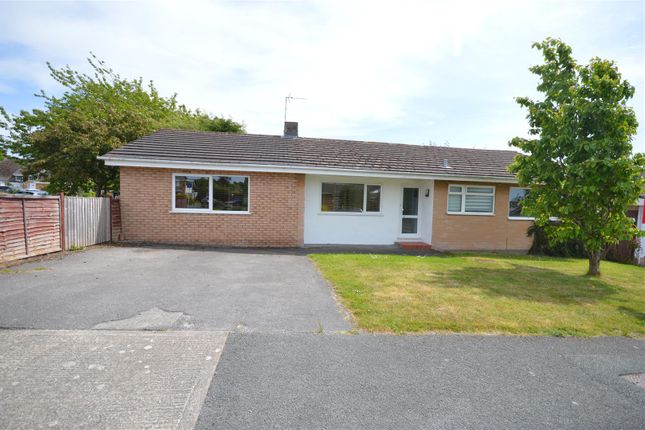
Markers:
point(155, 288)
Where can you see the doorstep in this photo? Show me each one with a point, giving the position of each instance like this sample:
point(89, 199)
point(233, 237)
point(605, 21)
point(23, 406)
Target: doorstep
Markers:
point(413, 245)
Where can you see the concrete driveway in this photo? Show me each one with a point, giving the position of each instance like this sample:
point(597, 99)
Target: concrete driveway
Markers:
point(155, 288)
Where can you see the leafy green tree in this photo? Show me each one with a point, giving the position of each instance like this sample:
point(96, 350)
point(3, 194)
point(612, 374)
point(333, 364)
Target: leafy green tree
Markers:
point(580, 165)
point(96, 113)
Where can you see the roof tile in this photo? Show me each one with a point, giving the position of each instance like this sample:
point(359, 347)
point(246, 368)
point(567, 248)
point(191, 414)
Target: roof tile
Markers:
point(303, 152)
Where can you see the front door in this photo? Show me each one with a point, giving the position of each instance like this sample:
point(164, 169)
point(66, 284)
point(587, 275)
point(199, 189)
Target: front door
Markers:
point(410, 212)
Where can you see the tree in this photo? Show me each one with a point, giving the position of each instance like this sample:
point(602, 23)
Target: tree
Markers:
point(95, 114)
point(580, 166)
point(3, 126)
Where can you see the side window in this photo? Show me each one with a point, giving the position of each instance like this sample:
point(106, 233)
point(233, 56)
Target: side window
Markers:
point(515, 197)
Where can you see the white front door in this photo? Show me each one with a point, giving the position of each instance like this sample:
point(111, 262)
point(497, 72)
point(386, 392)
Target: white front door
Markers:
point(410, 212)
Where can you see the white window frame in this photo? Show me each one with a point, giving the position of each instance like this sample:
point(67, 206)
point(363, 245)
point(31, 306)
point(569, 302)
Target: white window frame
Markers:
point(463, 193)
point(363, 211)
point(210, 210)
point(508, 208)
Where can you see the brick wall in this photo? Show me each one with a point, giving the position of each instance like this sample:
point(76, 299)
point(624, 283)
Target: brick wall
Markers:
point(276, 206)
point(477, 232)
point(115, 219)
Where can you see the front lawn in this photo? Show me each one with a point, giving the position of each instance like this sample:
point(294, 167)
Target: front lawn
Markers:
point(487, 293)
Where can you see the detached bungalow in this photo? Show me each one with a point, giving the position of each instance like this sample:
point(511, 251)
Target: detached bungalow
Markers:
point(225, 189)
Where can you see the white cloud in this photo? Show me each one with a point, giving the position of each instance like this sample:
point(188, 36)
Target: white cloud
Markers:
point(394, 71)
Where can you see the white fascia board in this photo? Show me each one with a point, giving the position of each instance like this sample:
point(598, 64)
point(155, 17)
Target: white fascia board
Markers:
point(162, 164)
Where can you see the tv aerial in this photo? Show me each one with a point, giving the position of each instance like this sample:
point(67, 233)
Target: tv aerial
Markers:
point(288, 99)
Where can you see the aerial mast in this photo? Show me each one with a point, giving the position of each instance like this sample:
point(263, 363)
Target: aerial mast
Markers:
point(287, 99)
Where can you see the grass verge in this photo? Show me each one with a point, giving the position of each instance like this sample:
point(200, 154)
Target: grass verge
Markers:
point(487, 293)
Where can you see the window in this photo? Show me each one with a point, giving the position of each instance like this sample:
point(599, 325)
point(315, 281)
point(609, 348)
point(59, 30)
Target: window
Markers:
point(191, 192)
point(515, 197)
point(471, 199)
point(230, 193)
point(210, 194)
point(373, 199)
point(357, 198)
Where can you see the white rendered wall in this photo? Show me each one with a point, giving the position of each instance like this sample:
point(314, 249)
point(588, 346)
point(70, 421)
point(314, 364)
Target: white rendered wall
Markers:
point(364, 228)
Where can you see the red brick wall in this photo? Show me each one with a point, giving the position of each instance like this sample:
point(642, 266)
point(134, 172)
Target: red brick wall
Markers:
point(115, 219)
point(276, 206)
point(477, 232)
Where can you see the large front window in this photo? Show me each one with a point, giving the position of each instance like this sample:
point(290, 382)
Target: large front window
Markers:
point(471, 199)
point(358, 198)
point(214, 194)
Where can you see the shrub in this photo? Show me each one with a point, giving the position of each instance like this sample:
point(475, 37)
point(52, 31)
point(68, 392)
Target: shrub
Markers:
point(542, 246)
point(623, 252)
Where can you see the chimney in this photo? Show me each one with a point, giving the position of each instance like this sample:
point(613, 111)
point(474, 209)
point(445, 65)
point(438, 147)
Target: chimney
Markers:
point(290, 129)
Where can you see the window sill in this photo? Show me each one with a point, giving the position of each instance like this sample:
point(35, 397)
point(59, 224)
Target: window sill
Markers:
point(206, 211)
point(521, 218)
point(470, 214)
point(351, 213)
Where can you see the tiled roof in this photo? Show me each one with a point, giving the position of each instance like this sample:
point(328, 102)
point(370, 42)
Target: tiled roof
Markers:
point(304, 152)
point(8, 167)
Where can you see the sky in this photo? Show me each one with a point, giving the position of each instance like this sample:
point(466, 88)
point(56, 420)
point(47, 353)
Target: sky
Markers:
point(440, 72)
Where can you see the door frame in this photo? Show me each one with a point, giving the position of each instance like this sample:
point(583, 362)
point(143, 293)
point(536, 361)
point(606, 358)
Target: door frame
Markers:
point(417, 216)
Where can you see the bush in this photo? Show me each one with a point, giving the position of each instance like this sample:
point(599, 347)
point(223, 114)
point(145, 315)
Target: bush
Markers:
point(622, 252)
point(542, 246)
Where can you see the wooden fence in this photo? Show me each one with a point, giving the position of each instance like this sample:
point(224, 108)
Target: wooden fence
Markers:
point(31, 225)
point(87, 221)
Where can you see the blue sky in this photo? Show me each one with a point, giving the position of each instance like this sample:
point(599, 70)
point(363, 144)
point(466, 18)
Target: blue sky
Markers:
point(403, 71)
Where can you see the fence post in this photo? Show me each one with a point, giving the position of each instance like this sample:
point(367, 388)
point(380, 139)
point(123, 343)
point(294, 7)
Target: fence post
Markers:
point(62, 220)
point(24, 224)
point(110, 203)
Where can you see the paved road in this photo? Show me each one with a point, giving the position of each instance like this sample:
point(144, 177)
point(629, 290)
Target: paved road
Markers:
point(430, 382)
point(172, 288)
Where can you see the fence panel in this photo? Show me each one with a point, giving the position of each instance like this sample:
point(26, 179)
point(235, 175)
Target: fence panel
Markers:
point(29, 226)
point(87, 221)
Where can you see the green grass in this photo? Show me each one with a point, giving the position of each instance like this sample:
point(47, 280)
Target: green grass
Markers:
point(488, 293)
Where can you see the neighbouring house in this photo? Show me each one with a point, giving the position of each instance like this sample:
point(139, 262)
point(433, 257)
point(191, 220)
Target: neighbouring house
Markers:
point(11, 175)
point(187, 187)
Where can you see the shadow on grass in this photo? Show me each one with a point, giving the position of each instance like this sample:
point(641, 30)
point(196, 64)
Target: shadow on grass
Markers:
point(529, 283)
point(640, 316)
